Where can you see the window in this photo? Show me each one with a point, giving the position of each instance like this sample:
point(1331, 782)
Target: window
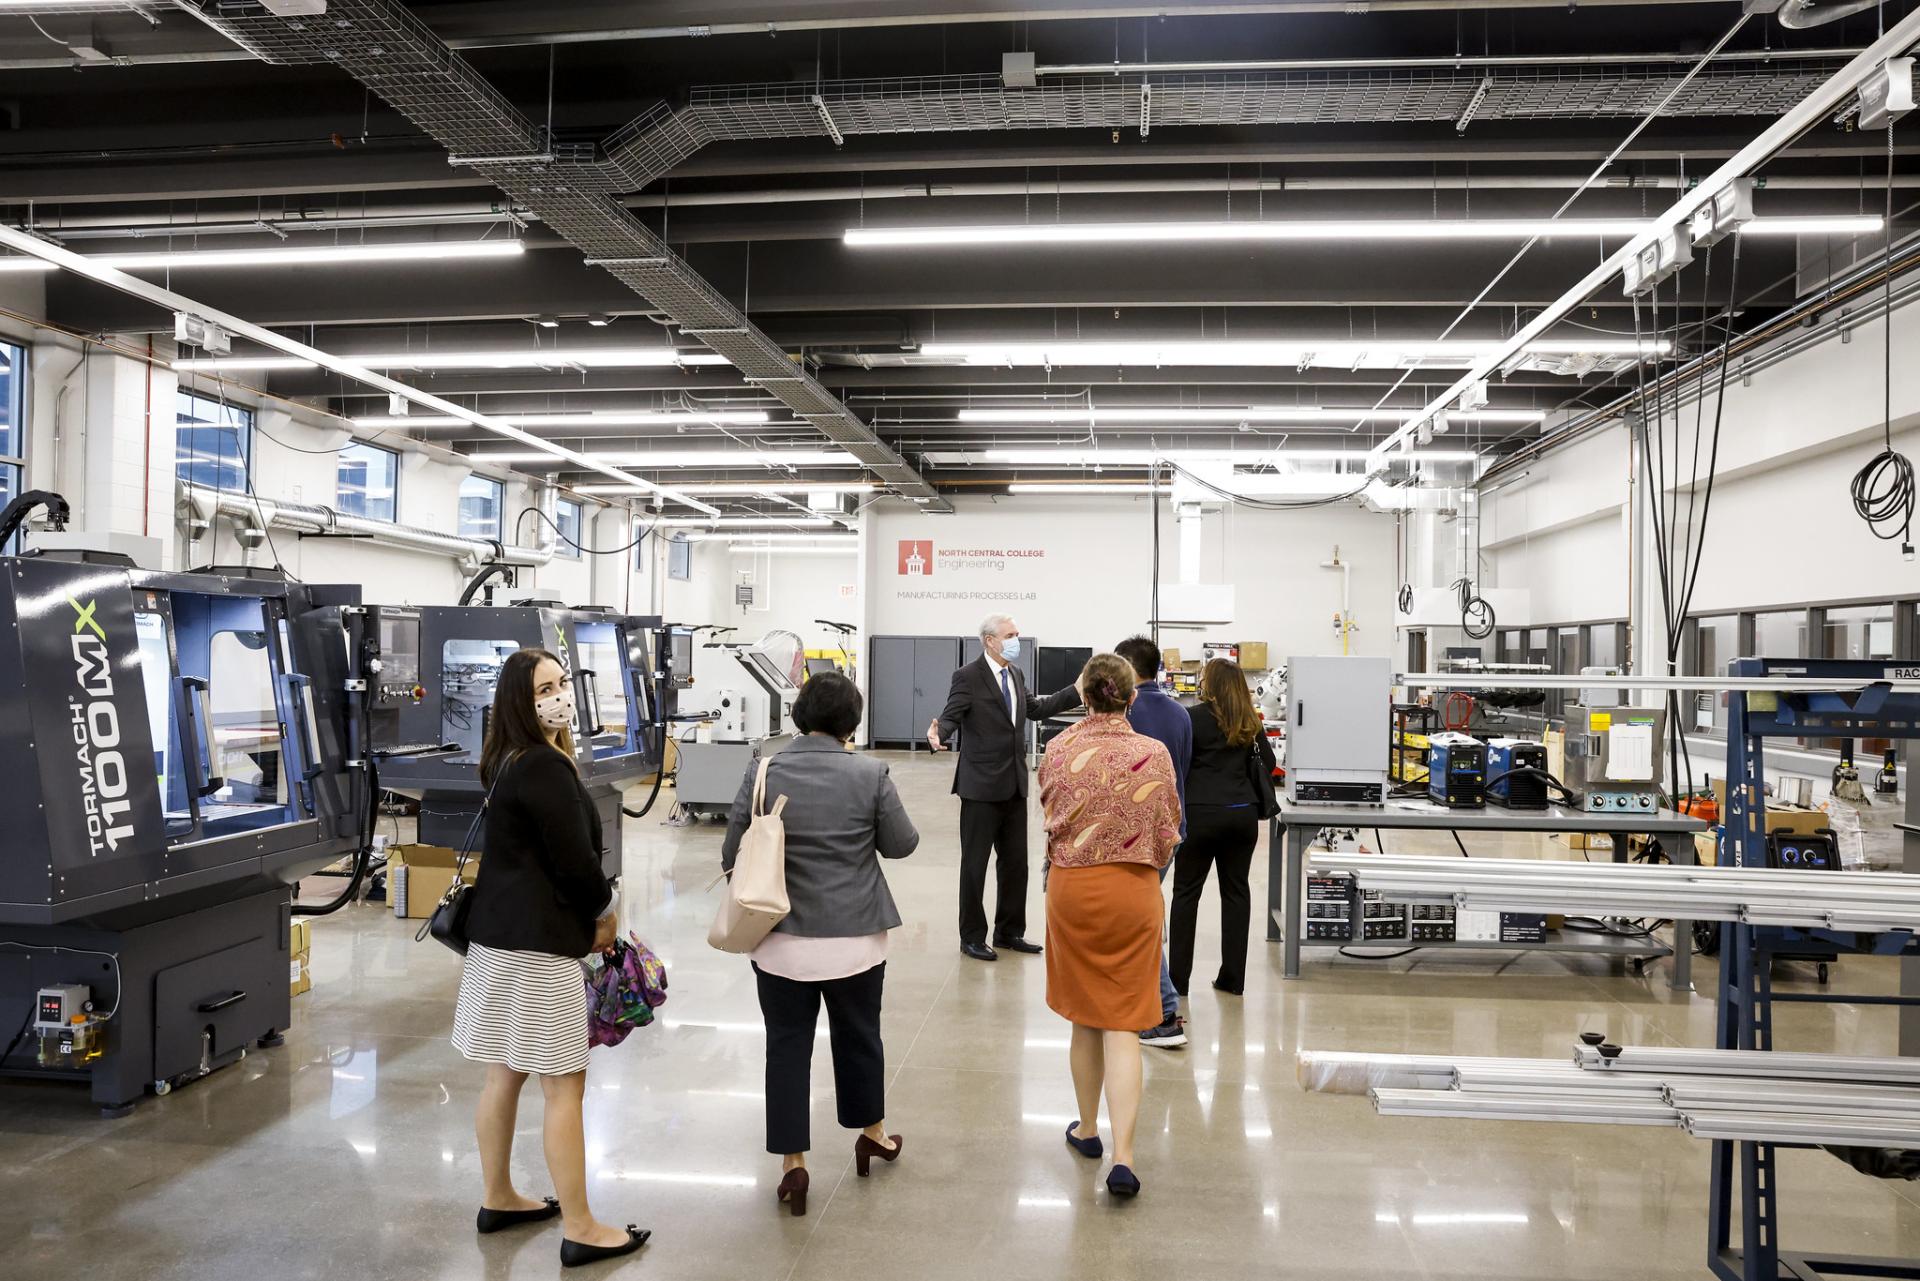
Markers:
point(480, 503)
point(1780, 635)
point(568, 517)
point(13, 422)
point(680, 558)
point(1859, 632)
point(1716, 643)
point(213, 441)
point(368, 482)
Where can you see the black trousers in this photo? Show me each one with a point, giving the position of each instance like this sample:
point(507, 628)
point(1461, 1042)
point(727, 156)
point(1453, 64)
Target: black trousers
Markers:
point(791, 1010)
point(987, 826)
point(1223, 838)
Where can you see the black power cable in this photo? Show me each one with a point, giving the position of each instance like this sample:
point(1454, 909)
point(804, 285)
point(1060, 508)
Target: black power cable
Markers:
point(561, 535)
point(1883, 490)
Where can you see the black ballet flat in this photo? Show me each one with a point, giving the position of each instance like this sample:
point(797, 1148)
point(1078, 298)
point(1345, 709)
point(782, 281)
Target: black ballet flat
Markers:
point(1122, 1182)
point(574, 1254)
point(500, 1220)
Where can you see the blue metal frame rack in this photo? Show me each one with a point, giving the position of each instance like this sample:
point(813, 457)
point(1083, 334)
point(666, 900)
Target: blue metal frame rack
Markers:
point(1748, 1171)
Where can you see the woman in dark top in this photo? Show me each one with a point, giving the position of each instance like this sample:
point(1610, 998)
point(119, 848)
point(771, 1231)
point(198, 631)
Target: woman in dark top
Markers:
point(1232, 762)
point(843, 816)
point(540, 904)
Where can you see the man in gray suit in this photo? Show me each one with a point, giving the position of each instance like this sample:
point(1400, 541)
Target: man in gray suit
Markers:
point(989, 707)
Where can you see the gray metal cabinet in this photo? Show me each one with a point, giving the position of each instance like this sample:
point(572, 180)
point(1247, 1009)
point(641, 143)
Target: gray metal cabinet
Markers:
point(907, 682)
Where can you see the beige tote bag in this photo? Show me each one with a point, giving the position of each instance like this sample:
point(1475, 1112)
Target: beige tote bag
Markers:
point(756, 897)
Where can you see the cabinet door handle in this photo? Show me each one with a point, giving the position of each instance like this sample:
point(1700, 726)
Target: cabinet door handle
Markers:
point(208, 1007)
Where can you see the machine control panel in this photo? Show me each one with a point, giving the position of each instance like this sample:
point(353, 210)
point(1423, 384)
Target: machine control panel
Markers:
point(394, 657)
point(61, 1006)
point(1814, 853)
point(1341, 793)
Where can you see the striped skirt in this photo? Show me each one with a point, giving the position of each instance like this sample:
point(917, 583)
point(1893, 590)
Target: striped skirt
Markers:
point(524, 1010)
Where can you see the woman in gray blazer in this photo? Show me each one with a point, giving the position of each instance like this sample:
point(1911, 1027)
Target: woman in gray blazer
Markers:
point(842, 810)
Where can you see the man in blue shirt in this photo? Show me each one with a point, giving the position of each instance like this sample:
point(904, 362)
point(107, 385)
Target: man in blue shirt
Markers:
point(1159, 715)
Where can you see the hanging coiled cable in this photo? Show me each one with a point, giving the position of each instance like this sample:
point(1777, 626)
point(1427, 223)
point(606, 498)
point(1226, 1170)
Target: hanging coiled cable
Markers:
point(1883, 490)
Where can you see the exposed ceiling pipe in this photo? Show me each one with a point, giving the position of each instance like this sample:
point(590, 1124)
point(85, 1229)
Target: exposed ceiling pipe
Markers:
point(305, 518)
point(1458, 60)
point(1810, 111)
point(395, 55)
point(210, 222)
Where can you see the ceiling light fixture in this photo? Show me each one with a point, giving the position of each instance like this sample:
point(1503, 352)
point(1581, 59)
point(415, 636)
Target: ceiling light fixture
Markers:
point(158, 295)
point(713, 458)
point(544, 358)
point(1250, 414)
point(1095, 487)
point(1339, 353)
point(746, 549)
point(1085, 457)
point(748, 488)
point(823, 540)
point(742, 522)
point(1352, 229)
point(290, 256)
point(584, 421)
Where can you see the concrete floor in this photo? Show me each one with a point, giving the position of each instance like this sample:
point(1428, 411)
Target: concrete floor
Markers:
point(348, 1153)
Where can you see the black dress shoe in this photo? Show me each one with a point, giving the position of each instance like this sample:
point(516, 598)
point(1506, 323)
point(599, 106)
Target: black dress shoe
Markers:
point(1018, 945)
point(979, 952)
point(575, 1254)
point(498, 1220)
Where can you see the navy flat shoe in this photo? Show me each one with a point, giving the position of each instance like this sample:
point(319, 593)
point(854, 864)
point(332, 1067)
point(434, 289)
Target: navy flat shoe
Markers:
point(1093, 1149)
point(499, 1220)
point(1122, 1183)
point(574, 1254)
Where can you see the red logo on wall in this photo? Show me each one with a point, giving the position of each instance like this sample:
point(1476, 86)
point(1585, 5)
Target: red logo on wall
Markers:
point(916, 557)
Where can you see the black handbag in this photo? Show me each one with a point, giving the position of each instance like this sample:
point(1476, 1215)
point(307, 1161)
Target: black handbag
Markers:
point(448, 922)
point(1265, 802)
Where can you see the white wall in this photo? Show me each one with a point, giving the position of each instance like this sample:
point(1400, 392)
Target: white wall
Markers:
point(1078, 571)
point(1782, 532)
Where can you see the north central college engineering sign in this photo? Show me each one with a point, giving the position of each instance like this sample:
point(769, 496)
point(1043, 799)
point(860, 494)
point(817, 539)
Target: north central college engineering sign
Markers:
point(918, 559)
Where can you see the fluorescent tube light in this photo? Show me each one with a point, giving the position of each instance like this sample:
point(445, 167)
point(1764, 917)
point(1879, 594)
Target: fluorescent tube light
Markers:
point(742, 522)
point(1336, 353)
point(748, 487)
point(1327, 229)
point(1086, 457)
point(823, 540)
point(1094, 487)
point(1095, 233)
point(643, 461)
point(296, 256)
point(1844, 225)
point(610, 418)
point(743, 549)
point(541, 358)
point(1251, 414)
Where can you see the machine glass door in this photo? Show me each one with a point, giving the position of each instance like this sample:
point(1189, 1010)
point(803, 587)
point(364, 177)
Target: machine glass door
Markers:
point(247, 735)
point(158, 680)
point(469, 670)
point(603, 687)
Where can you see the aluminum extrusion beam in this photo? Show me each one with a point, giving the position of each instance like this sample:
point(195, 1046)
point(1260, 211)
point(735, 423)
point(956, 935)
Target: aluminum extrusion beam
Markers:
point(1725, 684)
point(1845, 1068)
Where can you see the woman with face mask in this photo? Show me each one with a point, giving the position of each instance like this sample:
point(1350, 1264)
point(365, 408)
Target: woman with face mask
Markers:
point(540, 903)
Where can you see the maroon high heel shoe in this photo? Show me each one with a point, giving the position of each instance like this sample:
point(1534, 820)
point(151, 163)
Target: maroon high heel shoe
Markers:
point(793, 1191)
point(865, 1149)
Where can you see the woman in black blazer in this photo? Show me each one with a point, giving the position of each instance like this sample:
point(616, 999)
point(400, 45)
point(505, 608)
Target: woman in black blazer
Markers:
point(1229, 786)
point(540, 903)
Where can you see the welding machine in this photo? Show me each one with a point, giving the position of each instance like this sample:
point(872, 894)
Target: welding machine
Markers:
point(1508, 781)
point(1456, 770)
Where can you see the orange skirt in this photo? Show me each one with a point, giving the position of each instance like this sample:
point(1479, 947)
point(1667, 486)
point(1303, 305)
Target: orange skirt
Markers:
point(1103, 945)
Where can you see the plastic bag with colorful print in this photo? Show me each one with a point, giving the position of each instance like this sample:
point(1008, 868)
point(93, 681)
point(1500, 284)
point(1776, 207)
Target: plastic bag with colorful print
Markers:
point(624, 987)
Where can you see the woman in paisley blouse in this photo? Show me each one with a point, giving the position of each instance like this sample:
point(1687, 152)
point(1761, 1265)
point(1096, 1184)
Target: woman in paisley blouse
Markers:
point(1113, 818)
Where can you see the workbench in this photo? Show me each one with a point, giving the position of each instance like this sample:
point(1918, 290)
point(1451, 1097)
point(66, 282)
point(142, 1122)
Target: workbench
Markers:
point(1294, 829)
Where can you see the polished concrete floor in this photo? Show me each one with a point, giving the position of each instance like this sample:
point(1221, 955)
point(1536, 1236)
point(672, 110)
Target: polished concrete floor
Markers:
point(348, 1153)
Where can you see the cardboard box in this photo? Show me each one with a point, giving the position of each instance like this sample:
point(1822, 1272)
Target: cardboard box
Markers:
point(1171, 657)
point(418, 876)
point(1706, 847)
point(1592, 842)
point(1556, 745)
point(1253, 656)
point(300, 950)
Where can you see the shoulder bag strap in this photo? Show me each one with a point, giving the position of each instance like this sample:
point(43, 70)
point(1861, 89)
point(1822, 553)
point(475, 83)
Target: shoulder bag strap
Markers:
point(760, 809)
point(473, 830)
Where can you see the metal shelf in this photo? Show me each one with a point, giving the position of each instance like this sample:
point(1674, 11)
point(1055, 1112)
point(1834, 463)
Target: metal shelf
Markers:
point(1555, 941)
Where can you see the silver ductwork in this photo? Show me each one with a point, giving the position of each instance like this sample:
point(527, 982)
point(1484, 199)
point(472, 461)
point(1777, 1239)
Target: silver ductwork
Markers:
point(203, 505)
point(397, 56)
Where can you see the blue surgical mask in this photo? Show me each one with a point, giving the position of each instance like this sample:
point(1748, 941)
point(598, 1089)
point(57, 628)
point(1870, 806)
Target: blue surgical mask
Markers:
point(1010, 648)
